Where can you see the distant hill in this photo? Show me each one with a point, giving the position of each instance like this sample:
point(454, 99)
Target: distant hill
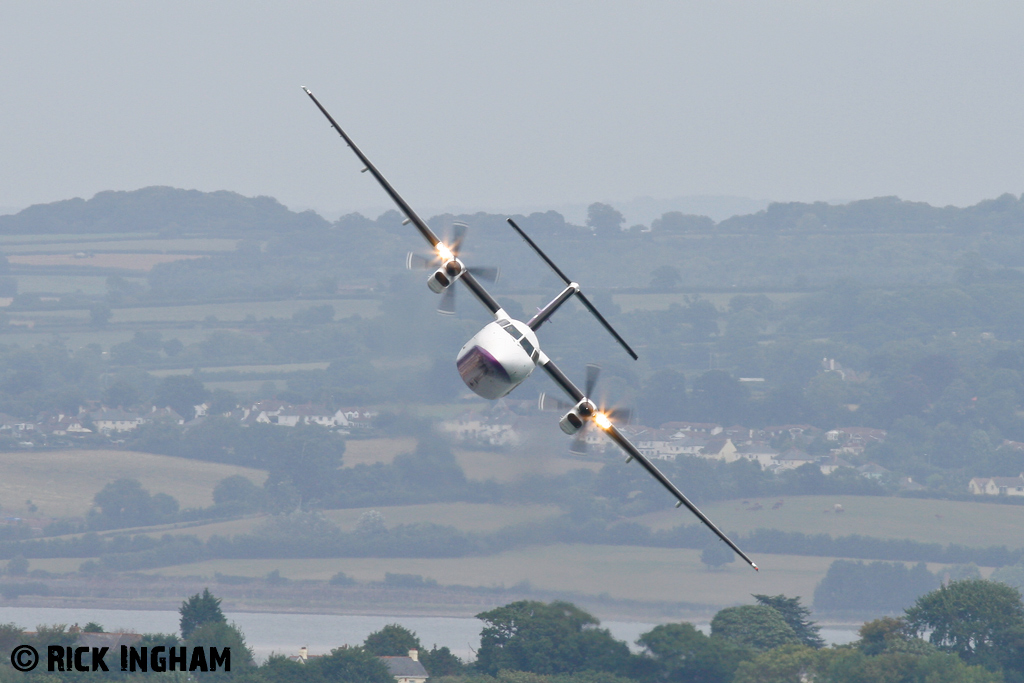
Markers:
point(161, 209)
point(884, 215)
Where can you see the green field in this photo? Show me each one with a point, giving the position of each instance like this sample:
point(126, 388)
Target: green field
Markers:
point(478, 465)
point(650, 574)
point(372, 451)
point(66, 284)
point(233, 312)
point(473, 517)
point(203, 531)
point(281, 368)
point(463, 516)
point(506, 467)
point(105, 338)
point(654, 300)
point(662, 300)
point(7, 240)
point(63, 483)
point(67, 317)
point(245, 388)
point(193, 246)
point(924, 520)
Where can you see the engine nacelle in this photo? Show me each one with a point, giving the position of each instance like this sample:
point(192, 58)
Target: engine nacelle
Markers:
point(574, 420)
point(444, 276)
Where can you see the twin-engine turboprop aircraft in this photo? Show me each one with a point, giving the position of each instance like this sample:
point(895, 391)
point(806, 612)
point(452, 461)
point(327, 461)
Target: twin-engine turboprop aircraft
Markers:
point(505, 352)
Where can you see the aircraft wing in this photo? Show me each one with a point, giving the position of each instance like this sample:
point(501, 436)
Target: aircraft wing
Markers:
point(634, 454)
point(411, 216)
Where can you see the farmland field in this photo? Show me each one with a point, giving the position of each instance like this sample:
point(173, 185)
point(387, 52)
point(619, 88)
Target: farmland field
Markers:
point(924, 520)
point(478, 465)
point(105, 338)
point(245, 387)
point(463, 516)
point(198, 245)
point(506, 467)
point(653, 300)
point(140, 262)
point(662, 300)
point(74, 238)
point(65, 284)
point(63, 483)
point(654, 574)
point(371, 451)
point(203, 531)
point(287, 367)
point(240, 310)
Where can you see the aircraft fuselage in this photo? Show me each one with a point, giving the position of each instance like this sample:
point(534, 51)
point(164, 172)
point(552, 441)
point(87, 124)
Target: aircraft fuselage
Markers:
point(498, 358)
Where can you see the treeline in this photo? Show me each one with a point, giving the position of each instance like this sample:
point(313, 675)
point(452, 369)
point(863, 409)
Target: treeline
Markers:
point(284, 254)
point(167, 210)
point(884, 215)
point(876, 587)
point(973, 627)
point(176, 211)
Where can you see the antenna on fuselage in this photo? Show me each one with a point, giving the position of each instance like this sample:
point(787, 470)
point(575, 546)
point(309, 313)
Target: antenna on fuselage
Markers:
point(572, 288)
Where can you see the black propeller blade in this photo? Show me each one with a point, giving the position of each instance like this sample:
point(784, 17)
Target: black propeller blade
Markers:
point(447, 305)
point(458, 234)
point(593, 372)
point(620, 415)
point(486, 273)
point(545, 402)
point(415, 261)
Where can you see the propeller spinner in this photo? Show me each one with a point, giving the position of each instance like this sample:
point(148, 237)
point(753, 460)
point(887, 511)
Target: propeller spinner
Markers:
point(448, 268)
point(582, 414)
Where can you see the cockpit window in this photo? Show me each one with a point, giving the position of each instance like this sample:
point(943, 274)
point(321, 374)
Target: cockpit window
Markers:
point(514, 332)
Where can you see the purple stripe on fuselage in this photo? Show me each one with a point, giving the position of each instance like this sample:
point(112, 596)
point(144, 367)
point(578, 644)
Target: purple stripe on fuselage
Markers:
point(477, 364)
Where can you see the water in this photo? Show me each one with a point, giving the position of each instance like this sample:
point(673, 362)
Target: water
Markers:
point(268, 633)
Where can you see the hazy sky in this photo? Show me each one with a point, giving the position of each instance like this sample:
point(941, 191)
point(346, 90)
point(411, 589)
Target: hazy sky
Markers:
point(516, 104)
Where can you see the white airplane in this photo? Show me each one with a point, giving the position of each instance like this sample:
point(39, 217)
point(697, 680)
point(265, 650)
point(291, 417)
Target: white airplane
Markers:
point(505, 352)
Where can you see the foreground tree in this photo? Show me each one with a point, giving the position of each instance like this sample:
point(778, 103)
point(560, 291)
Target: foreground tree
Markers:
point(755, 626)
point(391, 641)
point(200, 609)
point(780, 665)
point(797, 616)
point(223, 635)
point(350, 665)
point(547, 639)
point(980, 621)
point(439, 661)
point(679, 652)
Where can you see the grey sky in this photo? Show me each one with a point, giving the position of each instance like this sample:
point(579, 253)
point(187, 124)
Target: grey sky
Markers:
point(509, 105)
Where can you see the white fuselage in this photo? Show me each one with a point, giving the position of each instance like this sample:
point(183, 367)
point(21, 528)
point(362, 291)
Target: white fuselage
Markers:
point(498, 358)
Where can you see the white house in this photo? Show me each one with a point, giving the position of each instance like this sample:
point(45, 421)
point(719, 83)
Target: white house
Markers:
point(791, 459)
point(997, 486)
point(108, 420)
point(660, 444)
point(406, 669)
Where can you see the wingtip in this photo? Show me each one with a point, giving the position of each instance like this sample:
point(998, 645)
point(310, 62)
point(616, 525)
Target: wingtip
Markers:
point(756, 568)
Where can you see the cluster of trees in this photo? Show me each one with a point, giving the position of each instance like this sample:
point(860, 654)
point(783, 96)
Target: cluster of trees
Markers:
point(857, 587)
point(974, 629)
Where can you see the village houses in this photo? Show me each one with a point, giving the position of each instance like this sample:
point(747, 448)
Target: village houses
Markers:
point(997, 486)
